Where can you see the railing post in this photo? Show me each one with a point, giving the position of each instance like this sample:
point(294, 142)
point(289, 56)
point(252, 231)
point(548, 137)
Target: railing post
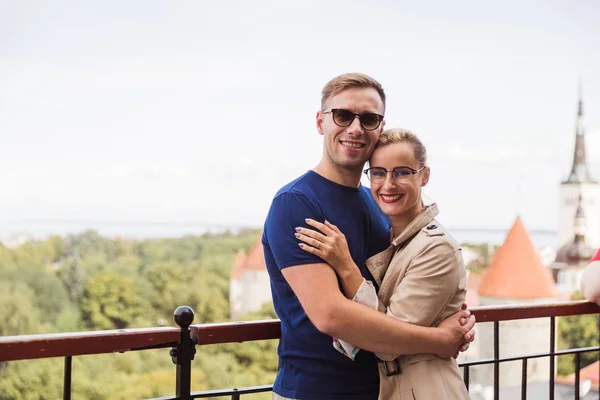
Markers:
point(552, 350)
point(67, 378)
point(496, 360)
point(183, 354)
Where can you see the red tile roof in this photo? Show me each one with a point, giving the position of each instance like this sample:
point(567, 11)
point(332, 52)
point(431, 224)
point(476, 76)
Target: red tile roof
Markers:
point(254, 261)
point(591, 372)
point(473, 282)
point(240, 258)
point(256, 257)
point(516, 270)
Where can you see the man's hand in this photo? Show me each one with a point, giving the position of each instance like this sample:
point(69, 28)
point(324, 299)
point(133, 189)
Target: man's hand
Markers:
point(465, 345)
point(457, 333)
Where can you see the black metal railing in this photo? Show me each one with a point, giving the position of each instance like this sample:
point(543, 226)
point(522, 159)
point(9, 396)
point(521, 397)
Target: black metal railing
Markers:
point(182, 342)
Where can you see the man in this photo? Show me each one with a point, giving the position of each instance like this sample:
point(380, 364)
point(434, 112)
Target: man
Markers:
point(306, 294)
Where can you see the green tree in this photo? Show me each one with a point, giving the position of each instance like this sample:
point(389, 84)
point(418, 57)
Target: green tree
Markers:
point(208, 294)
point(7, 259)
point(32, 380)
point(117, 283)
point(126, 265)
point(169, 286)
point(49, 295)
point(17, 311)
point(110, 301)
point(73, 277)
point(58, 248)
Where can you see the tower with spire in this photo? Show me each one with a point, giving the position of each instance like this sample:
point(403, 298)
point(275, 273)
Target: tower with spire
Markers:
point(579, 183)
point(572, 257)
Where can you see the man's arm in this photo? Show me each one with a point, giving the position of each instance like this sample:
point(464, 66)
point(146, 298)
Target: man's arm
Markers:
point(317, 289)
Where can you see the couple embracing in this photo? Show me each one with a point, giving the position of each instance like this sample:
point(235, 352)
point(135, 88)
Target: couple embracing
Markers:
point(368, 285)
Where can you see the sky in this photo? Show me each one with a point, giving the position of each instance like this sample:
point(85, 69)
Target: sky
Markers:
point(173, 116)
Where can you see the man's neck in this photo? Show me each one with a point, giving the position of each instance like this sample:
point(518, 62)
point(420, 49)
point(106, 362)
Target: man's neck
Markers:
point(344, 177)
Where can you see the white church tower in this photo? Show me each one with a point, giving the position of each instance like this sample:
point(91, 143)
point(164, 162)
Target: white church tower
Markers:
point(579, 182)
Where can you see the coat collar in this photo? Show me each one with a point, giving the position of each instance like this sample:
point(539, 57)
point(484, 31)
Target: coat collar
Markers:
point(379, 263)
point(420, 222)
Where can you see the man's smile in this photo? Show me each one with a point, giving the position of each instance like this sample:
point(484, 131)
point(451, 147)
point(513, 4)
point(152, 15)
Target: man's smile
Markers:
point(352, 145)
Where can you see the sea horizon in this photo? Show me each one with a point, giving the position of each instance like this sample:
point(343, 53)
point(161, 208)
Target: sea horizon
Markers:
point(15, 232)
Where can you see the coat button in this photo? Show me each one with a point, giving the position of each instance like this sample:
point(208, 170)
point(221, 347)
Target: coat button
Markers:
point(431, 227)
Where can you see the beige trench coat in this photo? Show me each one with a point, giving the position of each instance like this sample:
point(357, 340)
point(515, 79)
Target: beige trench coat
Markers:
point(422, 280)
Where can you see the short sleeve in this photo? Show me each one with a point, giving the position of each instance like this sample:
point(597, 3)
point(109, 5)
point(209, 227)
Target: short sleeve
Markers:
point(288, 211)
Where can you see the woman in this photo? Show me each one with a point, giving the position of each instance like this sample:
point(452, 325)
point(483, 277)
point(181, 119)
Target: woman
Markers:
point(421, 276)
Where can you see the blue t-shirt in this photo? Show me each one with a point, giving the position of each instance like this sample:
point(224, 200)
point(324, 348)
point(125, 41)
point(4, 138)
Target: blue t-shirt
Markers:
point(309, 367)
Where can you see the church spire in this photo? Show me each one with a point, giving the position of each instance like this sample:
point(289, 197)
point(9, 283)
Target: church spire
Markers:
point(579, 172)
point(579, 222)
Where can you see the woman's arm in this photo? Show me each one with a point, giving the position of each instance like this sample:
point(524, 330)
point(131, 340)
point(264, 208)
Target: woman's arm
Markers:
point(330, 244)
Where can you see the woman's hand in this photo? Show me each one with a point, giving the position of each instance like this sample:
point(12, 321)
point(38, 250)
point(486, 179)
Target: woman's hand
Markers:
point(327, 242)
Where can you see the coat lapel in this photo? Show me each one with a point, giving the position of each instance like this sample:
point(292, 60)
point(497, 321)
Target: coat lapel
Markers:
point(379, 263)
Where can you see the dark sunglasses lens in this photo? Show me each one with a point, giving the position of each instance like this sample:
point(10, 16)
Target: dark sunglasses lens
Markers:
point(343, 117)
point(369, 121)
point(402, 173)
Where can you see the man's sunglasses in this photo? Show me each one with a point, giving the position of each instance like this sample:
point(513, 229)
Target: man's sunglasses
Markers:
point(344, 118)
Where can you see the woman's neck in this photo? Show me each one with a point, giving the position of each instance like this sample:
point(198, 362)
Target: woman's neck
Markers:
point(401, 221)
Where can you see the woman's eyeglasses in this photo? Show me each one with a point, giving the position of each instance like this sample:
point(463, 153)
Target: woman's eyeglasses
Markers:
point(377, 175)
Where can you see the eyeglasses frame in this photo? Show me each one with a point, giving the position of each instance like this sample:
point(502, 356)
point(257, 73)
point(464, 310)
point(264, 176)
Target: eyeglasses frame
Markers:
point(332, 110)
point(414, 172)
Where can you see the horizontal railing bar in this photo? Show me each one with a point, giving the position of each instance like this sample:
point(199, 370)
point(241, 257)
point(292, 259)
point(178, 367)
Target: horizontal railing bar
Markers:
point(514, 312)
point(528, 356)
point(231, 392)
point(155, 346)
point(236, 332)
point(28, 347)
point(270, 329)
point(221, 392)
point(97, 342)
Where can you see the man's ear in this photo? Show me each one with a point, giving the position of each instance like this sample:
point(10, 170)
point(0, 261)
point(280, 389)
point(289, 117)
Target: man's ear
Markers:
point(320, 120)
point(382, 127)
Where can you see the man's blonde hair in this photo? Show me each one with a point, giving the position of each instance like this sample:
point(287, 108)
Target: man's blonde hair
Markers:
point(348, 81)
point(399, 135)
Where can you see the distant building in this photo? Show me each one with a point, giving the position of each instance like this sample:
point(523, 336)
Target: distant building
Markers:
point(579, 183)
point(589, 378)
point(235, 285)
point(573, 256)
point(249, 285)
point(516, 275)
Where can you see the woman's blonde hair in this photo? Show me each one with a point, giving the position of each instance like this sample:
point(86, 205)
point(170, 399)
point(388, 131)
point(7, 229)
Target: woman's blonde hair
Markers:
point(399, 135)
